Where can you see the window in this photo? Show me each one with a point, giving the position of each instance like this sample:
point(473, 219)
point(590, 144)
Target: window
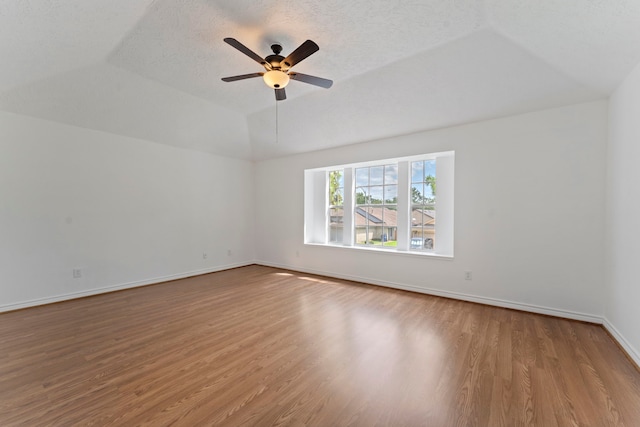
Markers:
point(423, 205)
point(376, 210)
point(336, 207)
point(386, 205)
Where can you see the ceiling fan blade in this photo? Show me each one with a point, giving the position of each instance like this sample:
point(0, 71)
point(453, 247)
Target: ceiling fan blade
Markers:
point(241, 77)
point(281, 95)
point(304, 50)
point(242, 48)
point(312, 80)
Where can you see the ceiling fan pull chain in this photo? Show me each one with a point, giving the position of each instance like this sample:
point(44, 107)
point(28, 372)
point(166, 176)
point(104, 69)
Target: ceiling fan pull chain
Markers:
point(277, 137)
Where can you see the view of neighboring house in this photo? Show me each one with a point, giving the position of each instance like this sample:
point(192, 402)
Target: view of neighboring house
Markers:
point(379, 226)
point(423, 222)
point(376, 225)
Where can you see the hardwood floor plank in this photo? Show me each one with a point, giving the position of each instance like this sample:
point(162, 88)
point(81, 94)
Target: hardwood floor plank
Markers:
point(259, 346)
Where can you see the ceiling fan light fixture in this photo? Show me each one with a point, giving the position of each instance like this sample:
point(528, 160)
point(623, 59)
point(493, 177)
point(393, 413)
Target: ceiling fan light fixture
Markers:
point(276, 79)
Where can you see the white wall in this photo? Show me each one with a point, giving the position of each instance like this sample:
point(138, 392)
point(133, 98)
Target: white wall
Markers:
point(623, 215)
point(125, 211)
point(529, 213)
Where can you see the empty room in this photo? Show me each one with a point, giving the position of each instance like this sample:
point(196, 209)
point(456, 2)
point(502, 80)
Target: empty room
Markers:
point(364, 213)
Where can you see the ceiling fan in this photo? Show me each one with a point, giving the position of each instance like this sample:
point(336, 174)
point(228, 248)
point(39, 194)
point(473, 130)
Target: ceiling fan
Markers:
point(277, 68)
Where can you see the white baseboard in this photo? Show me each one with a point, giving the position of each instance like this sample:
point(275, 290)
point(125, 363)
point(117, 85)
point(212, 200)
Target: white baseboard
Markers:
point(628, 348)
point(448, 294)
point(118, 287)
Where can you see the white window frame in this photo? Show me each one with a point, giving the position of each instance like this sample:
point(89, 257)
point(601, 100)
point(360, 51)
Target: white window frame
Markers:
point(316, 188)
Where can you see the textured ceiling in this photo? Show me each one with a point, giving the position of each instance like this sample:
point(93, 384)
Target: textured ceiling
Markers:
point(152, 69)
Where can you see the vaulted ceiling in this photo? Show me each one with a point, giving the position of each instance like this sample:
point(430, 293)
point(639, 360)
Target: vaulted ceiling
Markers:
point(151, 69)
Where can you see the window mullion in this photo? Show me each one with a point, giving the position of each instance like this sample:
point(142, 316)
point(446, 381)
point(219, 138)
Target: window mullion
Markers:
point(349, 203)
point(404, 216)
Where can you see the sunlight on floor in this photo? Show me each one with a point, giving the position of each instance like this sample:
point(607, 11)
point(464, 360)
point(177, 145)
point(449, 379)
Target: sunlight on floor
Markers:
point(376, 346)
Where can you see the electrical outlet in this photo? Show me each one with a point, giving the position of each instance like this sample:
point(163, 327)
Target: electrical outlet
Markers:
point(297, 254)
point(467, 275)
point(77, 273)
point(228, 252)
point(204, 255)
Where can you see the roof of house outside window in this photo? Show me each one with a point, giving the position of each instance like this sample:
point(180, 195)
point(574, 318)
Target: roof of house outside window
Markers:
point(383, 216)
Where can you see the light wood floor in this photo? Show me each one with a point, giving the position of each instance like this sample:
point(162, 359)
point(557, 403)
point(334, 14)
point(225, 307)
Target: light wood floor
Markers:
point(262, 346)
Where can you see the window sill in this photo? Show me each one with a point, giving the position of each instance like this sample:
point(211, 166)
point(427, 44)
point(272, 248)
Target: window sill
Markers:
point(384, 251)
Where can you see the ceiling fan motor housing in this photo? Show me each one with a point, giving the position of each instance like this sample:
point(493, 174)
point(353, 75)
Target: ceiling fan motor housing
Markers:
point(275, 59)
